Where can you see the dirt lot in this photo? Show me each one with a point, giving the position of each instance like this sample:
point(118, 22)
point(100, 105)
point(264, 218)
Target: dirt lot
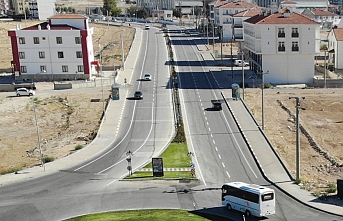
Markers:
point(64, 120)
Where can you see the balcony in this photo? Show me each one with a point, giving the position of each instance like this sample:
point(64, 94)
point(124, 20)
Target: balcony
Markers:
point(281, 34)
point(295, 48)
point(238, 25)
point(295, 35)
point(281, 49)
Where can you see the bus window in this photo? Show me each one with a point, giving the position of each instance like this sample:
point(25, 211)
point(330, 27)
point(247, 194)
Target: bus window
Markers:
point(267, 196)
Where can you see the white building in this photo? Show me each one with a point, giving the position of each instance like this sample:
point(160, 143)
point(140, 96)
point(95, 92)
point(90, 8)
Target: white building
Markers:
point(42, 9)
point(299, 6)
point(238, 20)
point(335, 48)
point(213, 5)
point(283, 45)
point(61, 48)
point(223, 16)
point(326, 19)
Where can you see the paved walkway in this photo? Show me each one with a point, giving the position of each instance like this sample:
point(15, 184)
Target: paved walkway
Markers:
point(269, 163)
point(267, 157)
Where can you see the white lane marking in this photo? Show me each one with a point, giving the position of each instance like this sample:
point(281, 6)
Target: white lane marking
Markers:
point(209, 129)
point(216, 148)
point(219, 156)
point(228, 174)
point(223, 164)
point(214, 142)
point(211, 135)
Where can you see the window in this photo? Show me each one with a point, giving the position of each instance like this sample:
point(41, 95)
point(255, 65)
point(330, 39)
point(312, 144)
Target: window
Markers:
point(23, 69)
point(295, 46)
point(59, 40)
point(281, 33)
point(43, 69)
point(60, 54)
point(295, 33)
point(21, 41)
point(64, 68)
point(41, 54)
point(281, 46)
point(79, 54)
point(22, 55)
point(36, 40)
point(267, 196)
point(77, 40)
point(80, 68)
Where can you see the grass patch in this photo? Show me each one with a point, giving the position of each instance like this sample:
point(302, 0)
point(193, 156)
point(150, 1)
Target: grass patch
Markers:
point(11, 170)
point(175, 156)
point(331, 188)
point(167, 174)
point(138, 215)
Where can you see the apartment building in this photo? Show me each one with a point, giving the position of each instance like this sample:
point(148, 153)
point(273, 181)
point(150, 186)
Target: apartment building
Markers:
point(223, 17)
point(335, 49)
point(60, 48)
point(283, 45)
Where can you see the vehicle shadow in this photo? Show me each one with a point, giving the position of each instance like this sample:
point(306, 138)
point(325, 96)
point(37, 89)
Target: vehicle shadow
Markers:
point(211, 109)
point(132, 98)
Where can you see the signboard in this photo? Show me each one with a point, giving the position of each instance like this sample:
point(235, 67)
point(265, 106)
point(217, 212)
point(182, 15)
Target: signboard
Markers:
point(157, 167)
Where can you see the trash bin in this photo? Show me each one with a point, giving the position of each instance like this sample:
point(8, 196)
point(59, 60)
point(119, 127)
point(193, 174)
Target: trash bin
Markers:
point(235, 91)
point(115, 91)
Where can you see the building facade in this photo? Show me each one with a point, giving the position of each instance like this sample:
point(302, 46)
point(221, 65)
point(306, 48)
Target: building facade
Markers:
point(42, 9)
point(61, 48)
point(335, 48)
point(283, 45)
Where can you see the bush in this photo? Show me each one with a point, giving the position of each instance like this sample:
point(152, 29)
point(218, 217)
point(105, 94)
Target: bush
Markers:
point(79, 147)
point(48, 159)
point(11, 170)
point(331, 188)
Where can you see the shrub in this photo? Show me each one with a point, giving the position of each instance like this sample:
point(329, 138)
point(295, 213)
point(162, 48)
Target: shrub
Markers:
point(331, 188)
point(48, 159)
point(11, 170)
point(79, 147)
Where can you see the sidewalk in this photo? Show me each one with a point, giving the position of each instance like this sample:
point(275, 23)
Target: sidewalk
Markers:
point(266, 156)
point(104, 137)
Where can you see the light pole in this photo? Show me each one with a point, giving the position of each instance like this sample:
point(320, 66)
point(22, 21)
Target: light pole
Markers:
point(242, 54)
point(325, 69)
point(297, 107)
point(262, 87)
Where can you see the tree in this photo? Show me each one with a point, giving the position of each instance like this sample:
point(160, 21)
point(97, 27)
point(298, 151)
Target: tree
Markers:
point(177, 12)
point(142, 13)
point(323, 47)
point(132, 10)
point(110, 7)
point(116, 12)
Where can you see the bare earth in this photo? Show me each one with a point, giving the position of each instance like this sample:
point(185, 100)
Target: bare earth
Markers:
point(65, 119)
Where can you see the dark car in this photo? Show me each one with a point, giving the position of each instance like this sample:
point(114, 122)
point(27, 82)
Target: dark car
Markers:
point(216, 105)
point(138, 95)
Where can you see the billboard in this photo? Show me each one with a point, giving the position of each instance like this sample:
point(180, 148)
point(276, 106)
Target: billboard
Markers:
point(157, 167)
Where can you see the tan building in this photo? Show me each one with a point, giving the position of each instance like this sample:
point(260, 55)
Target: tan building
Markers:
point(17, 7)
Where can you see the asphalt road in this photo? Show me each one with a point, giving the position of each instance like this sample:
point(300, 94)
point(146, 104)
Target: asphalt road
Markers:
point(220, 153)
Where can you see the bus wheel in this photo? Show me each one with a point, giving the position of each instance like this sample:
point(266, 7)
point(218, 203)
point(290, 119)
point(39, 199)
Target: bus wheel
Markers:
point(247, 213)
point(228, 206)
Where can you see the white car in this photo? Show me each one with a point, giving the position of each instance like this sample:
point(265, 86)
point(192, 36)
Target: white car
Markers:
point(147, 77)
point(240, 63)
point(24, 92)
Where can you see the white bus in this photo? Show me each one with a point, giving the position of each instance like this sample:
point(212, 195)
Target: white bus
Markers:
point(251, 199)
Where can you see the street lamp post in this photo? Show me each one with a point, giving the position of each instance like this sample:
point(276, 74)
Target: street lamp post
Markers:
point(325, 68)
point(297, 107)
point(262, 87)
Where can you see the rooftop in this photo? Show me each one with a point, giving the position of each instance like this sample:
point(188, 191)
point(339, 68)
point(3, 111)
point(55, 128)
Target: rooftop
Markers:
point(68, 16)
point(238, 4)
point(249, 13)
point(281, 18)
point(338, 32)
point(44, 26)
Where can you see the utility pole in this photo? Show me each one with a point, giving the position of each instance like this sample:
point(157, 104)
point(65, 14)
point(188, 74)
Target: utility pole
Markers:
point(297, 107)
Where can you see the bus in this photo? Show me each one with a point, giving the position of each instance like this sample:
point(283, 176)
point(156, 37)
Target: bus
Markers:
point(251, 199)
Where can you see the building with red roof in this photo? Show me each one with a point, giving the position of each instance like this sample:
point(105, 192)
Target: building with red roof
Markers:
point(61, 48)
point(335, 49)
point(284, 45)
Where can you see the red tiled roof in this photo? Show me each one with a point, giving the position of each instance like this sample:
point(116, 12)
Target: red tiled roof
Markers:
point(279, 18)
point(338, 32)
point(238, 4)
point(68, 16)
point(249, 13)
point(52, 27)
point(320, 12)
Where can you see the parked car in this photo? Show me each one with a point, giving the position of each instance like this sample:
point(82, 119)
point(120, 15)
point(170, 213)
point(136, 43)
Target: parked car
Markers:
point(147, 27)
point(147, 77)
point(138, 95)
point(24, 92)
point(239, 63)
